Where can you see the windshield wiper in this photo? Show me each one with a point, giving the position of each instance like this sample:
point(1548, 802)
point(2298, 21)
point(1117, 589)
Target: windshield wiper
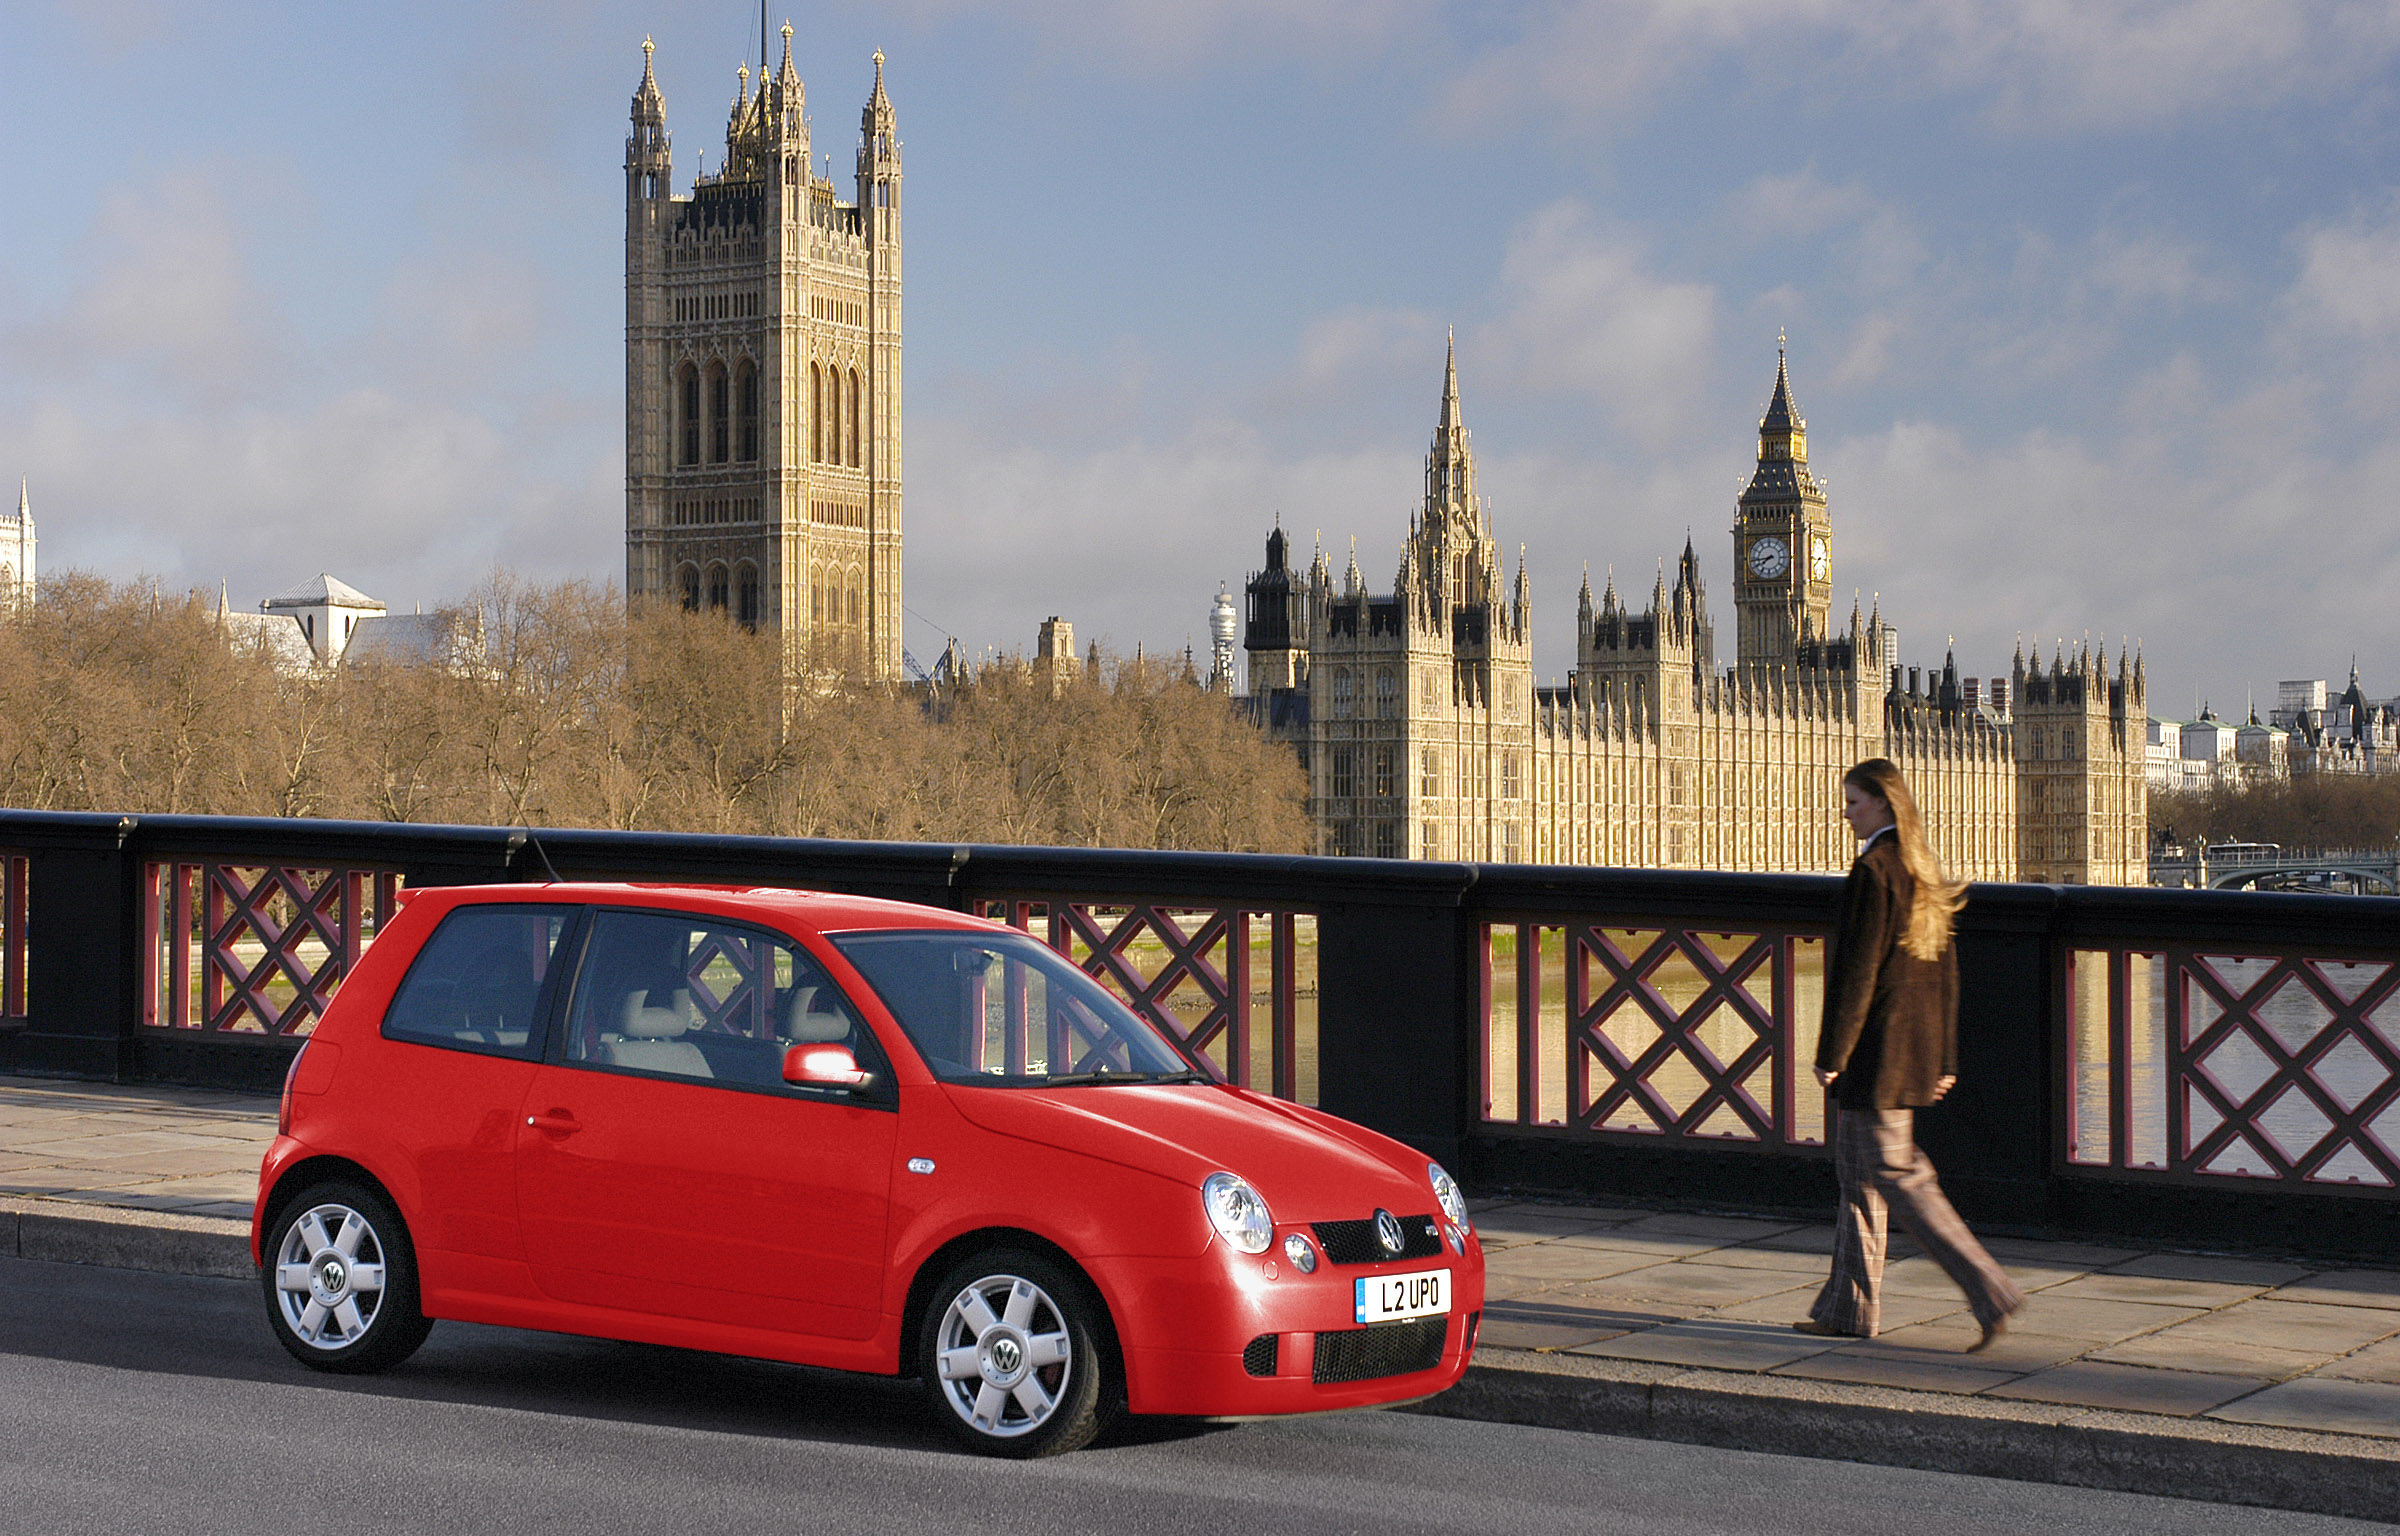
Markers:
point(1122, 1079)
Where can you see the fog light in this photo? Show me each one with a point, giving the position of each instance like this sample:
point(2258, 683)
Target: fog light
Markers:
point(1301, 1252)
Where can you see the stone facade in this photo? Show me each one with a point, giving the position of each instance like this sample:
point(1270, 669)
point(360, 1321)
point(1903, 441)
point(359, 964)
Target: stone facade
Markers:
point(17, 550)
point(1424, 736)
point(762, 378)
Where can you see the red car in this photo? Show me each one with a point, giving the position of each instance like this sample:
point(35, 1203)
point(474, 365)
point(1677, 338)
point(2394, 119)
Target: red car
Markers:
point(843, 1132)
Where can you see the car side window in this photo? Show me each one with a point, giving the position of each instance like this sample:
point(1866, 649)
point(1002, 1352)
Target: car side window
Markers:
point(477, 983)
point(685, 996)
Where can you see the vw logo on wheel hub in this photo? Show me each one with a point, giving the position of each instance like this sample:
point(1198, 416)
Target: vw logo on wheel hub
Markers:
point(1387, 1232)
point(330, 1277)
point(1004, 1356)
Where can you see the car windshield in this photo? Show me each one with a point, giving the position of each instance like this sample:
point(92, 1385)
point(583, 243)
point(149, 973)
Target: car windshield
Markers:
point(999, 1009)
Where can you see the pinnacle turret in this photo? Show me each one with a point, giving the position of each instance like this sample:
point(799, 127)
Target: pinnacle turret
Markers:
point(648, 105)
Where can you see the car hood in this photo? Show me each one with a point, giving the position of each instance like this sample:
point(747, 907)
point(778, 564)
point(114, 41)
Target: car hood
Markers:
point(1309, 1166)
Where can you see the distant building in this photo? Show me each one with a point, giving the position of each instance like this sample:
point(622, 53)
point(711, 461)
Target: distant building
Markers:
point(1423, 735)
point(2299, 702)
point(1224, 628)
point(17, 551)
point(2355, 734)
point(762, 378)
point(324, 621)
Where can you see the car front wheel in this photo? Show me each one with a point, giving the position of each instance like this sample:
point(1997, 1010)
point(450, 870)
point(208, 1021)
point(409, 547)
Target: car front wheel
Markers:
point(1011, 1358)
point(341, 1281)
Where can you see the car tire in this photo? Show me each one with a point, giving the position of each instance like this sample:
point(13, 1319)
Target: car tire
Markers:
point(1011, 1355)
point(341, 1280)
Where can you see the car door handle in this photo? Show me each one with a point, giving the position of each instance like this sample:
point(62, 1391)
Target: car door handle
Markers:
point(558, 1121)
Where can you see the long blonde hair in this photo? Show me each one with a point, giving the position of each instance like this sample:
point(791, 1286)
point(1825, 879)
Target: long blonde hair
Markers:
point(1938, 897)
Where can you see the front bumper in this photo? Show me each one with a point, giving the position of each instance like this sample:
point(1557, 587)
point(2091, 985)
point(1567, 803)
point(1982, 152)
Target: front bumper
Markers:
point(1193, 1334)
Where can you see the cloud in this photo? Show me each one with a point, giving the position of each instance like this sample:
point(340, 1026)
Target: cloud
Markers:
point(167, 295)
point(407, 500)
point(1579, 313)
point(1101, 536)
point(2350, 274)
point(1149, 36)
point(2037, 66)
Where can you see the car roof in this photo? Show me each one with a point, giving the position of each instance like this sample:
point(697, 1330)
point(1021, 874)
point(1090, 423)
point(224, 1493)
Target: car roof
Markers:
point(821, 911)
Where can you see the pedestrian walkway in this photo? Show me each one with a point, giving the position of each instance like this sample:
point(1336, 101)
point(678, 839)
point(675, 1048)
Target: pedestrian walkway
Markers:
point(2236, 1340)
point(190, 1151)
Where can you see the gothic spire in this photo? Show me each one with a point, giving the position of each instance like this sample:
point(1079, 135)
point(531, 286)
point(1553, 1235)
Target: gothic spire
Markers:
point(1450, 412)
point(1781, 417)
point(648, 105)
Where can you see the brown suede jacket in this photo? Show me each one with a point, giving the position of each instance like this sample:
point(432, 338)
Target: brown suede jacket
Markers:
point(1891, 1020)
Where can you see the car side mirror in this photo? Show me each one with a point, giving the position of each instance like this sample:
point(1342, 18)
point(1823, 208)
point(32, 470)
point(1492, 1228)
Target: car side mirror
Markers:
point(824, 1066)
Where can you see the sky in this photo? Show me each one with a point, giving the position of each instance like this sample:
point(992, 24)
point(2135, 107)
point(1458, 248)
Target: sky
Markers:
point(2093, 306)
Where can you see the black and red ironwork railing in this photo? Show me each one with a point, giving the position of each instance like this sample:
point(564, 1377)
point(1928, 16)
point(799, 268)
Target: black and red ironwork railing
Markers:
point(1212, 974)
point(2257, 1062)
point(254, 949)
point(14, 872)
point(2212, 1066)
point(1617, 1026)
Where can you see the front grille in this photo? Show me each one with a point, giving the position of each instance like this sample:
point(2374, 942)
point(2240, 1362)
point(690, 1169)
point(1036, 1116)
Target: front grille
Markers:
point(1368, 1354)
point(1354, 1242)
point(1260, 1354)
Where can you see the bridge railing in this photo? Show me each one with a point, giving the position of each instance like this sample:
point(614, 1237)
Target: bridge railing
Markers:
point(2184, 1065)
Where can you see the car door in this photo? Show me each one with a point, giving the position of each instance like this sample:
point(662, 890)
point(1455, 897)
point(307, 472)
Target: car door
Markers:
point(666, 1168)
point(465, 1027)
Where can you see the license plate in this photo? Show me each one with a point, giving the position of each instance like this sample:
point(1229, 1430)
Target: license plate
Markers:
point(1393, 1298)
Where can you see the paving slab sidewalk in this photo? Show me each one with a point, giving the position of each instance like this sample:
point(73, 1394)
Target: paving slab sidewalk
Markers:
point(2228, 1377)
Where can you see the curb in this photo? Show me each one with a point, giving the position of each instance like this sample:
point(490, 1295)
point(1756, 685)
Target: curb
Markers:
point(2204, 1459)
point(69, 1232)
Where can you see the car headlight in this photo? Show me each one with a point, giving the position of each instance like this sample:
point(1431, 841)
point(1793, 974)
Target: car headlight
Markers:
point(1453, 1199)
point(1238, 1212)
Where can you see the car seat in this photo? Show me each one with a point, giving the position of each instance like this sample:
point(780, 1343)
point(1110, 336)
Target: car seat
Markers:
point(649, 1035)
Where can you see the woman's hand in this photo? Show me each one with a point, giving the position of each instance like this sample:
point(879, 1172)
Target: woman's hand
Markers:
point(1825, 1078)
point(1941, 1086)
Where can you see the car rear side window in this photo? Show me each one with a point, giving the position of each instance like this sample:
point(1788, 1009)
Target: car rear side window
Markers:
point(691, 997)
point(477, 983)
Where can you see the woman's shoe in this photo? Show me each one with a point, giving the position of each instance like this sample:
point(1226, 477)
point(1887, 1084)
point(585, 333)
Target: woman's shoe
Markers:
point(1991, 1331)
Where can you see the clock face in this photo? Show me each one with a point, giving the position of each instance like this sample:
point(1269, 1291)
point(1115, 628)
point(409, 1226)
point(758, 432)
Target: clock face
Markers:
point(1820, 559)
point(1769, 557)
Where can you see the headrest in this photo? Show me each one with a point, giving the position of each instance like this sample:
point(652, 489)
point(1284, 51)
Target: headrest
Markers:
point(639, 1020)
point(803, 1025)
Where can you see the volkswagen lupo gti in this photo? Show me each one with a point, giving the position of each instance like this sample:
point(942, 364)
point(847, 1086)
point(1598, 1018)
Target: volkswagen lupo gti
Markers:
point(841, 1132)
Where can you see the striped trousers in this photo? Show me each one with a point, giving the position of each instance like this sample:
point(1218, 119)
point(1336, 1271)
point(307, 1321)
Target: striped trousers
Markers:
point(1876, 1158)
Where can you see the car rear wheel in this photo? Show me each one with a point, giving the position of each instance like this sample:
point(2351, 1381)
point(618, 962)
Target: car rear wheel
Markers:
point(341, 1281)
point(1011, 1358)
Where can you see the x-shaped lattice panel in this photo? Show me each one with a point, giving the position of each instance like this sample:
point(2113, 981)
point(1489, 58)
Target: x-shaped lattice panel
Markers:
point(1604, 1079)
point(2202, 1064)
point(239, 908)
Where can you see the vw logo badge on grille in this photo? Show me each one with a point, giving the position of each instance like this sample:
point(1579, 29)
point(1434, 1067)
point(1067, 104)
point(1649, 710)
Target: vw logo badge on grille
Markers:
point(1387, 1232)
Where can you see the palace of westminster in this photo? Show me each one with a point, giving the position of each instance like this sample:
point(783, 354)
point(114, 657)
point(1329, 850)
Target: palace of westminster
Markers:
point(1423, 734)
point(763, 453)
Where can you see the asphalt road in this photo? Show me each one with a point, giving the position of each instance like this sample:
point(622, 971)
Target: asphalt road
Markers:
point(134, 1402)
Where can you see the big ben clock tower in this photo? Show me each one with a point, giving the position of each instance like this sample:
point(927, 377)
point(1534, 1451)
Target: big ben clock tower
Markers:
point(1782, 540)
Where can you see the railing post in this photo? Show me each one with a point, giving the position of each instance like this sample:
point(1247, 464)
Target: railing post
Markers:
point(83, 942)
point(1994, 1137)
point(1396, 982)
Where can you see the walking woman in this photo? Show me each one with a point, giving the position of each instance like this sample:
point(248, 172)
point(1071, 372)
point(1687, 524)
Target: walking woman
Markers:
point(1889, 1047)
